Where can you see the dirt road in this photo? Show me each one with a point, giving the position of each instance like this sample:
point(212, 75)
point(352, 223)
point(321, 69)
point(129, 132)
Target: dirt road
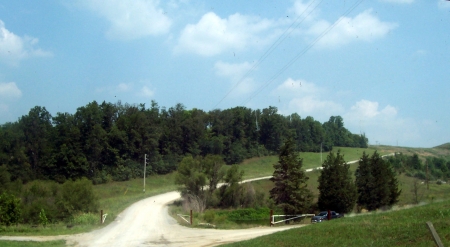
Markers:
point(147, 223)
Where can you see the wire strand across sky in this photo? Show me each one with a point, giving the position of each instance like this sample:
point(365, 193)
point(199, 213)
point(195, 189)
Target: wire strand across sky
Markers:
point(280, 40)
point(301, 53)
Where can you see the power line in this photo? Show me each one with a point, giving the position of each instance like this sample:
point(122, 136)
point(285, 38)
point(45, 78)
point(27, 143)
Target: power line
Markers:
point(302, 52)
point(282, 37)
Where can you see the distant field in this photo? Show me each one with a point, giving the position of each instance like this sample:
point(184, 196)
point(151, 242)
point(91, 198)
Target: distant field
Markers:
point(395, 228)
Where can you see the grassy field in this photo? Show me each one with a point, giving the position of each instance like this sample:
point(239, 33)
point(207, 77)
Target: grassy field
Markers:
point(58, 243)
point(395, 228)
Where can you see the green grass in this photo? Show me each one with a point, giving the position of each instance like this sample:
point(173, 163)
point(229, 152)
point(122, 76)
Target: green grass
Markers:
point(395, 228)
point(57, 243)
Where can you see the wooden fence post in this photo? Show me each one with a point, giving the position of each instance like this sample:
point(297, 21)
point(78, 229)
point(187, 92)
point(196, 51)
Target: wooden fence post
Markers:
point(191, 217)
point(271, 217)
point(101, 216)
point(436, 238)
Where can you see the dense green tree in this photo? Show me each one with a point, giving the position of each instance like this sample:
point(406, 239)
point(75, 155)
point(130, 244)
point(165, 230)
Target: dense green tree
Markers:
point(37, 128)
point(376, 182)
point(336, 187)
point(213, 167)
point(190, 177)
point(10, 209)
point(232, 192)
point(104, 141)
point(290, 191)
point(78, 197)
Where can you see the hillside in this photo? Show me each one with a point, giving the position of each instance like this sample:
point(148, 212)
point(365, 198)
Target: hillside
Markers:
point(444, 146)
point(395, 228)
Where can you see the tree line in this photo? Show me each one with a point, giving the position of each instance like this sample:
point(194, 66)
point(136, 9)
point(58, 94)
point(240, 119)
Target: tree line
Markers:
point(434, 168)
point(107, 141)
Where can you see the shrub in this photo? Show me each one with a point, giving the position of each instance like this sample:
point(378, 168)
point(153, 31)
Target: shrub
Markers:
point(10, 211)
point(78, 196)
point(85, 219)
point(43, 218)
point(40, 196)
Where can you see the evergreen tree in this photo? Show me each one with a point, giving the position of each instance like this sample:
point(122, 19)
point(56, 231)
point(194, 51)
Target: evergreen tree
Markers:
point(337, 189)
point(364, 181)
point(290, 191)
point(377, 183)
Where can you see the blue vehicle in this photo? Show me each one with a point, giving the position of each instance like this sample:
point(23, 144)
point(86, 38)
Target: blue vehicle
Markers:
point(324, 216)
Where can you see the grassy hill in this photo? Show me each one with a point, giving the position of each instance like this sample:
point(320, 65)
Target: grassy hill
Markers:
point(395, 228)
point(444, 146)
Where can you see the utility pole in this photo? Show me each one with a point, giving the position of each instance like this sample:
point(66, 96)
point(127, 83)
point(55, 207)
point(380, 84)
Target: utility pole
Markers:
point(145, 167)
point(428, 187)
point(321, 153)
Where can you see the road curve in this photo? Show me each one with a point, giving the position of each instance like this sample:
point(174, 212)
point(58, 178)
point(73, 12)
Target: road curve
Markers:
point(148, 223)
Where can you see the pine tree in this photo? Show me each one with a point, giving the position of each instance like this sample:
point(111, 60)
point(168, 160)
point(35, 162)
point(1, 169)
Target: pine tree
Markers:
point(364, 181)
point(376, 182)
point(290, 191)
point(337, 189)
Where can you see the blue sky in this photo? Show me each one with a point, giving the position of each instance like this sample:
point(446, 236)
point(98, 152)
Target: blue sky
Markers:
point(383, 65)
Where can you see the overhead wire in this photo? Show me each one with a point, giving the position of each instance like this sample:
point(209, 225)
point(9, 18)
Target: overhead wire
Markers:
point(282, 37)
point(302, 52)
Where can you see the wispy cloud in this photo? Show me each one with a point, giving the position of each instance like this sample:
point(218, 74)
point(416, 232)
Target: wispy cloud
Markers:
point(9, 90)
point(131, 19)
point(235, 72)
point(14, 48)
point(213, 35)
point(363, 27)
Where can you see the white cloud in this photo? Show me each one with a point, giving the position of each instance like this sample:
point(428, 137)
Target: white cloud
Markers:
point(235, 73)
point(131, 19)
point(398, 1)
point(13, 48)
point(363, 27)
point(123, 87)
point(9, 91)
point(213, 35)
point(305, 98)
point(146, 92)
point(366, 109)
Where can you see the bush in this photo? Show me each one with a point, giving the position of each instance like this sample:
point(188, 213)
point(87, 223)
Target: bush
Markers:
point(85, 219)
point(78, 196)
point(40, 196)
point(10, 211)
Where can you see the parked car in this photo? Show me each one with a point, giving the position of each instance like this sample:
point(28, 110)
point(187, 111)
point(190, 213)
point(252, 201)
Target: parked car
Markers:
point(324, 216)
